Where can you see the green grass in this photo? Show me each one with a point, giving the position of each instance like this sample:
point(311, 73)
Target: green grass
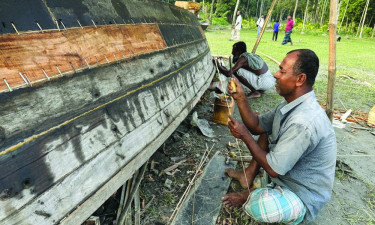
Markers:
point(354, 58)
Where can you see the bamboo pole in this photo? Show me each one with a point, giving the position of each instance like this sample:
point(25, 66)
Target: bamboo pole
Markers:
point(235, 13)
point(344, 15)
point(305, 17)
point(364, 18)
point(331, 58)
point(264, 27)
point(295, 10)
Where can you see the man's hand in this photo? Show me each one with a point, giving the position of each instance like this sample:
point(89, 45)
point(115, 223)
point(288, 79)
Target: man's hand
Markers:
point(240, 94)
point(237, 129)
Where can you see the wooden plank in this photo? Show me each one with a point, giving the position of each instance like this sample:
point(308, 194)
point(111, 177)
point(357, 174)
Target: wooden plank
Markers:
point(71, 50)
point(91, 204)
point(132, 139)
point(89, 90)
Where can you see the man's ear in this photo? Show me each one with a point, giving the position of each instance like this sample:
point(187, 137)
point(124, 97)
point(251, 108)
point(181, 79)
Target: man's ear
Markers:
point(301, 79)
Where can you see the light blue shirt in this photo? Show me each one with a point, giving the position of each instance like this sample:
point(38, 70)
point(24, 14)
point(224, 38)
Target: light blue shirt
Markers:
point(303, 149)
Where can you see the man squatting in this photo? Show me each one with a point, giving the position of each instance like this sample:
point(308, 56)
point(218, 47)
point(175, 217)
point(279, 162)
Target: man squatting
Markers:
point(250, 70)
point(296, 147)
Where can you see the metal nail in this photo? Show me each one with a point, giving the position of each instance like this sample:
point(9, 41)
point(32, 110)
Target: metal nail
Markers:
point(93, 23)
point(57, 24)
point(71, 64)
point(14, 27)
point(45, 74)
point(97, 61)
point(87, 63)
point(27, 78)
point(5, 81)
point(79, 24)
point(106, 58)
point(39, 27)
point(63, 24)
point(23, 78)
point(59, 71)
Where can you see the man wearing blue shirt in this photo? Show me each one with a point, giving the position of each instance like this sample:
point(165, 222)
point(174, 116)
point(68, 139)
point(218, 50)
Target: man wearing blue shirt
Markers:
point(296, 147)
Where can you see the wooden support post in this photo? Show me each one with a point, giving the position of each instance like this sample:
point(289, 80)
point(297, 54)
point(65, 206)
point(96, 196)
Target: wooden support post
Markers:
point(331, 58)
point(137, 208)
point(132, 193)
point(264, 26)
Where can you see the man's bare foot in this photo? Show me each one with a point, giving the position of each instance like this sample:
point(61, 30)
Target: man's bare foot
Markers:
point(235, 200)
point(238, 175)
point(254, 94)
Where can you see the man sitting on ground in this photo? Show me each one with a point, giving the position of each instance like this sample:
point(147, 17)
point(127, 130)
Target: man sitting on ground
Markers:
point(296, 147)
point(250, 70)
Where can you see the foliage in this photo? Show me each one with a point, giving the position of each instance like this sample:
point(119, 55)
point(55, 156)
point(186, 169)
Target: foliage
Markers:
point(219, 21)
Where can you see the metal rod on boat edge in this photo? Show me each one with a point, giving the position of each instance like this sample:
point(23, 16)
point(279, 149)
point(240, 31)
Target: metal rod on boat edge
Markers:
point(6, 82)
point(59, 71)
point(114, 55)
point(71, 64)
point(79, 24)
point(93, 23)
point(14, 27)
point(45, 74)
point(27, 78)
point(39, 27)
point(97, 61)
point(23, 78)
point(57, 24)
point(63, 24)
point(106, 58)
point(88, 65)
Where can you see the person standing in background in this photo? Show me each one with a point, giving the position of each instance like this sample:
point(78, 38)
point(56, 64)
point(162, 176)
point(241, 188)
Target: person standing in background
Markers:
point(288, 31)
point(275, 30)
point(237, 28)
point(260, 23)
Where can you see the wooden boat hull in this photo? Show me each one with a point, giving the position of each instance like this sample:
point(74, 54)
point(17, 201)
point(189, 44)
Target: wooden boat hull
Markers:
point(82, 108)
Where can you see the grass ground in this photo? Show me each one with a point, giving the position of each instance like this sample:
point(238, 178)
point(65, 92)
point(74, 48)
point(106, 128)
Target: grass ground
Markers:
point(355, 67)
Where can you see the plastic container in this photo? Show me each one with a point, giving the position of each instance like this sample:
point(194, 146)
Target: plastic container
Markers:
point(222, 108)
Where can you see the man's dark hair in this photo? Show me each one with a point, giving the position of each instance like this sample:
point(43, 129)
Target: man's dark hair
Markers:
point(307, 63)
point(240, 46)
point(277, 21)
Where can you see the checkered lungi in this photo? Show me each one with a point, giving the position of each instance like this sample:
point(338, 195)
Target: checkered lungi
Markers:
point(277, 204)
point(287, 37)
point(261, 82)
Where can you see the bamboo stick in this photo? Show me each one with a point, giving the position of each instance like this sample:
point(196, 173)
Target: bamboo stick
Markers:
point(331, 58)
point(131, 195)
point(264, 26)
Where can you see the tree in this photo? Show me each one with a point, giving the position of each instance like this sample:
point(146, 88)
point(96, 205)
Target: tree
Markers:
point(294, 12)
point(364, 17)
point(235, 12)
point(305, 16)
point(212, 8)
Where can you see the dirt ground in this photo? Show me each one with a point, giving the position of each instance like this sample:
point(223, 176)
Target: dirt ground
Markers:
point(353, 198)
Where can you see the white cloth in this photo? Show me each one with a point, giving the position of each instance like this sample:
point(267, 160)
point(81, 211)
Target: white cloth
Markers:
point(262, 82)
point(238, 24)
point(260, 22)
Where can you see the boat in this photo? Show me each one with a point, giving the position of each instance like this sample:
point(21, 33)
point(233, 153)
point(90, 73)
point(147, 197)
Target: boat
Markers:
point(89, 90)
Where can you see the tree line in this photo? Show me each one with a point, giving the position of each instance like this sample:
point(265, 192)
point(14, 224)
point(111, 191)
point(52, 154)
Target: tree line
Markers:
point(354, 16)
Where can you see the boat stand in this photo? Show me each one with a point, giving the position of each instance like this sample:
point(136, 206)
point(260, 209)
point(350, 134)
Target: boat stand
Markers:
point(130, 194)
